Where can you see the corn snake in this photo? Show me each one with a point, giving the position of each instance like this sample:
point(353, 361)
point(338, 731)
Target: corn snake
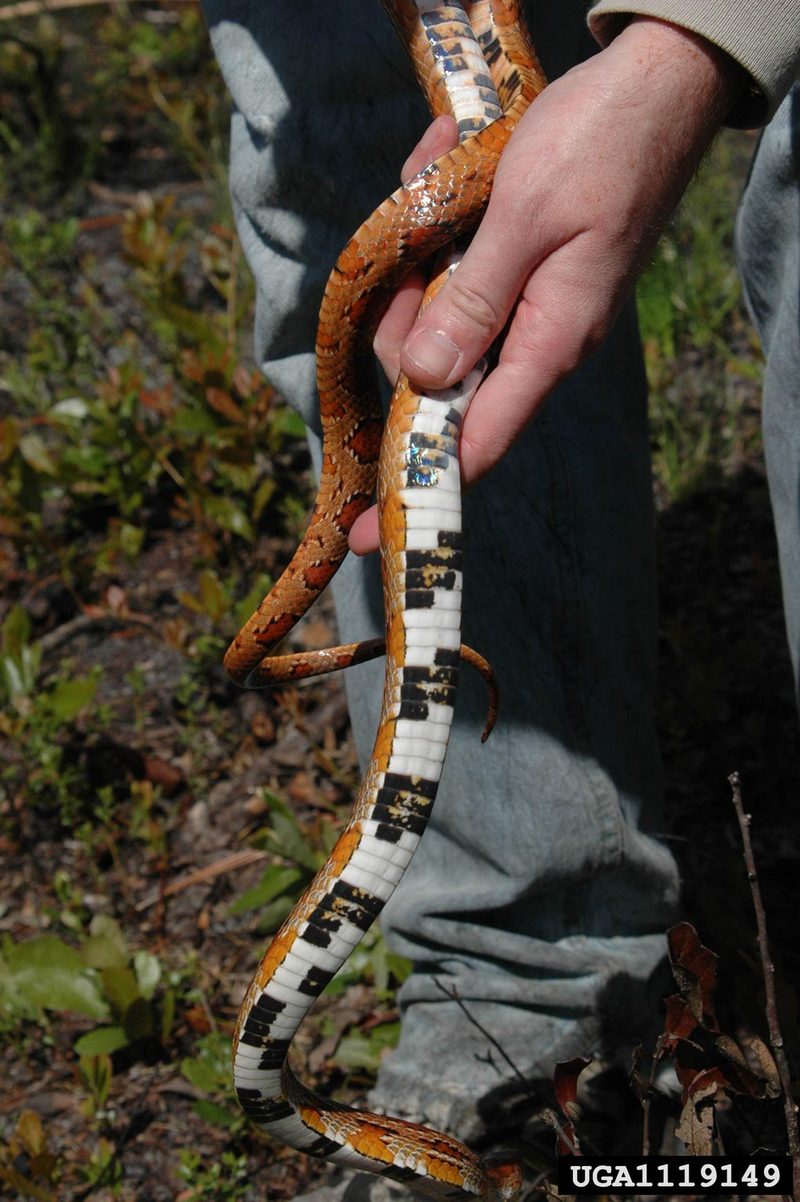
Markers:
point(474, 61)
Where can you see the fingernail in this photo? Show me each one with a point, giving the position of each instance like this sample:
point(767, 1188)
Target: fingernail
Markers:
point(432, 352)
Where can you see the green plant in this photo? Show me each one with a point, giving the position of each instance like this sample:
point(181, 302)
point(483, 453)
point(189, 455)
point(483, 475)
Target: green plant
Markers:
point(104, 1167)
point(122, 410)
point(209, 1070)
point(68, 87)
point(100, 979)
point(40, 721)
point(223, 1180)
point(28, 1166)
point(697, 350)
point(305, 847)
point(120, 456)
point(96, 1073)
point(215, 600)
point(36, 131)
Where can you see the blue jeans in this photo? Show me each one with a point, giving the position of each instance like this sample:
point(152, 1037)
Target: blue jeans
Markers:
point(541, 890)
point(768, 252)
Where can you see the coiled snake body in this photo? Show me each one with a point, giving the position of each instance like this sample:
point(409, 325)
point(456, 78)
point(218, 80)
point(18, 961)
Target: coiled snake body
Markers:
point(474, 61)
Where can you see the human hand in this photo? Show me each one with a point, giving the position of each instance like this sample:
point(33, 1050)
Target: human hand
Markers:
point(582, 192)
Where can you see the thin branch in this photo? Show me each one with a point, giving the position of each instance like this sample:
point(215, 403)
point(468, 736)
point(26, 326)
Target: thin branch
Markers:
point(768, 972)
point(453, 995)
point(92, 623)
point(551, 1118)
point(198, 876)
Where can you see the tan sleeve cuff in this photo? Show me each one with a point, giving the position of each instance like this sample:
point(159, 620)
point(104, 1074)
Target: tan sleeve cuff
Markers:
point(763, 36)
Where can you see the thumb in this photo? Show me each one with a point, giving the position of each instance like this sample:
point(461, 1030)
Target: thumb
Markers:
point(471, 309)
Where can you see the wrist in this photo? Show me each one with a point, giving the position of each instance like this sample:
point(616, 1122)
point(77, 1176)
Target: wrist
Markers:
point(677, 60)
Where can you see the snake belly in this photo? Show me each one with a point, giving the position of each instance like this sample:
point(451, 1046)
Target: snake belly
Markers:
point(419, 501)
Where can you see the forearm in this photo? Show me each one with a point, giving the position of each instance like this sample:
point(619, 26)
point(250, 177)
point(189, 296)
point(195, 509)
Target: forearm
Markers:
point(762, 36)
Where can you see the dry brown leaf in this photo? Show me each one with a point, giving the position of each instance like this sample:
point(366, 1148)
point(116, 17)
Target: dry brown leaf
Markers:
point(694, 968)
point(761, 1061)
point(696, 1125)
point(166, 776)
point(262, 727)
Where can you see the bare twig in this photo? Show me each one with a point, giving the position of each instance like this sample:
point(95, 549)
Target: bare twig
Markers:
point(551, 1118)
point(132, 200)
point(644, 1088)
point(92, 623)
point(768, 972)
point(452, 993)
point(198, 876)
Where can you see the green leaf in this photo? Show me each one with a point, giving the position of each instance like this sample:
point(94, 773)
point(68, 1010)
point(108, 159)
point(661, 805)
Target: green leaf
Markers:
point(36, 455)
point(45, 973)
point(121, 987)
point(253, 598)
point(23, 1187)
point(130, 539)
point(102, 1042)
point(106, 946)
point(87, 462)
point(288, 423)
point(148, 972)
point(194, 326)
point(264, 494)
point(191, 420)
point(97, 1072)
point(358, 1050)
point(190, 601)
point(229, 516)
point(288, 840)
point(211, 1112)
point(19, 664)
point(9, 438)
point(16, 632)
point(68, 697)
point(138, 1019)
point(213, 597)
point(275, 803)
point(273, 915)
point(276, 879)
point(200, 1074)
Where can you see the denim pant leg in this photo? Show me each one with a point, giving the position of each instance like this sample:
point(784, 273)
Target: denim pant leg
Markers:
point(539, 893)
point(768, 252)
point(536, 893)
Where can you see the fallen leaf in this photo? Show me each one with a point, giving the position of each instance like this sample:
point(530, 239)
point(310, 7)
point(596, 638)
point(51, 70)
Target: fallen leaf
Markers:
point(761, 1061)
point(696, 1124)
point(301, 788)
point(262, 727)
point(116, 599)
point(165, 775)
point(198, 1020)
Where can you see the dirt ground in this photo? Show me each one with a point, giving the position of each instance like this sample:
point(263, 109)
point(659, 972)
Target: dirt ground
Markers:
point(186, 758)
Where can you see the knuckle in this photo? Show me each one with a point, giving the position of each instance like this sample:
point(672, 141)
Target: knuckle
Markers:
point(548, 334)
point(472, 304)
